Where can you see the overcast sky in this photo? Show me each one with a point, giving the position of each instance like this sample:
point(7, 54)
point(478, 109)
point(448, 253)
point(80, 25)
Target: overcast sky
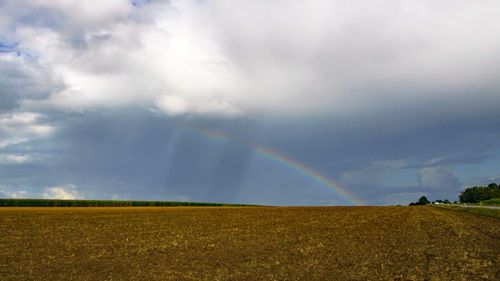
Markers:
point(266, 102)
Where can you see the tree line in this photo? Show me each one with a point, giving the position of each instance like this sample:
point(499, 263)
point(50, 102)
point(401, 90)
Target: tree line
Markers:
point(473, 194)
point(477, 194)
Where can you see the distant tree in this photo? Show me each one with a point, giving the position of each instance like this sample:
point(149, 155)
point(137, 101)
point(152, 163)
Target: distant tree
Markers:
point(423, 201)
point(446, 201)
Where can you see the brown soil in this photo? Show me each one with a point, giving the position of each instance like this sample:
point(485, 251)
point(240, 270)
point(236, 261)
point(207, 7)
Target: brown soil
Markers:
point(247, 243)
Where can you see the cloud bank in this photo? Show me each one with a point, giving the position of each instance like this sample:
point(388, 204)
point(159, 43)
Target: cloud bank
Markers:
point(217, 58)
point(395, 97)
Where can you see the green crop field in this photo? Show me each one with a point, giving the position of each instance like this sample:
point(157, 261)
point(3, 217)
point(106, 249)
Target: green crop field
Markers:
point(492, 202)
point(99, 203)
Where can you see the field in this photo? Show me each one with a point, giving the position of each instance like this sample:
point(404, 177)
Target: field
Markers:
point(492, 202)
point(247, 243)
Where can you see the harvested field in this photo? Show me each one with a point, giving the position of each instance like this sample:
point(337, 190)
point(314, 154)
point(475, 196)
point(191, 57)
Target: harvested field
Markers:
point(247, 243)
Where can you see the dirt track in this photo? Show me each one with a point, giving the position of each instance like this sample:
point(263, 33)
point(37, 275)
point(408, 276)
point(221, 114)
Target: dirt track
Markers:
point(247, 243)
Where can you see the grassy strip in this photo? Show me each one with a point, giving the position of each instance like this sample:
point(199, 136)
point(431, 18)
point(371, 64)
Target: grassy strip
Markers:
point(99, 203)
point(494, 213)
point(492, 202)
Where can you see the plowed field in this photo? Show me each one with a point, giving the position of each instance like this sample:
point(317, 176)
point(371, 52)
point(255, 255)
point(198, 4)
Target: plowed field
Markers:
point(247, 243)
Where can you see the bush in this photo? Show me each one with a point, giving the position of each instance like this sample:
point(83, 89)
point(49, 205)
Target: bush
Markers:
point(422, 201)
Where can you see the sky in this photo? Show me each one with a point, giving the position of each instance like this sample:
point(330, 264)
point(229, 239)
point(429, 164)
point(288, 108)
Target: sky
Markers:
point(261, 102)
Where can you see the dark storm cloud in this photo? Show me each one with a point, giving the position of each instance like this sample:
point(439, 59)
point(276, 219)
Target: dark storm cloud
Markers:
point(230, 171)
point(363, 151)
point(425, 132)
point(139, 154)
point(19, 81)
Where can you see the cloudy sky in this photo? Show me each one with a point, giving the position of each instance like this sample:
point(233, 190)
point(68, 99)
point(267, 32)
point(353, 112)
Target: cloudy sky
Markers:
point(267, 102)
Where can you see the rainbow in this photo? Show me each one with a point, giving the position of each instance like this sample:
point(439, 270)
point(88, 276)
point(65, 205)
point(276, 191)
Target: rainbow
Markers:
point(284, 160)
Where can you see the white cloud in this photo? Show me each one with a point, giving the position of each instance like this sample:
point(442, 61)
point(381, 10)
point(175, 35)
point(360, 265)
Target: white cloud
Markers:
point(19, 127)
point(172, 105)
point(62, 192)
point(14, 194)
point(24, 118)
point(15, 159)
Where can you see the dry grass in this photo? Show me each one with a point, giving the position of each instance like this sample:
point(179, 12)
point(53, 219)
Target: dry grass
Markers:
point(247, 243)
